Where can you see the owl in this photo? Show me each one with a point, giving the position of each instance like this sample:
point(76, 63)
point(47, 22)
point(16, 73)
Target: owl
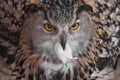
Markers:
point(57, 40)
point(59, 35)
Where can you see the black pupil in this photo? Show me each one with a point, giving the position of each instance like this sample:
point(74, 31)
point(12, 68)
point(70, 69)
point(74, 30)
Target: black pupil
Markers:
point(74, 25)
point(49, 26)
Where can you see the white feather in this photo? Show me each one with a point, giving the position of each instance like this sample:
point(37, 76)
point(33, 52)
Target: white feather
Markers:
point(64, 55)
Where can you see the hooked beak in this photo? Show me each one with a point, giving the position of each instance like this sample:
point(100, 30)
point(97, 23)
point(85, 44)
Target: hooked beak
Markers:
point(63, 41)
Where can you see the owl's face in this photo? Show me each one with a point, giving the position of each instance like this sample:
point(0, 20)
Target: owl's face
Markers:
point(59, 33)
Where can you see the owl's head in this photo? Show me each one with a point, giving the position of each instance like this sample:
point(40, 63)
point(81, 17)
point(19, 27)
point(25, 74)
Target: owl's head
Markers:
point(61, 30)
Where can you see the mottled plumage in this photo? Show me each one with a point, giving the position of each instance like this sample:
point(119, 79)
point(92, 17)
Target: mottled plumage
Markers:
point(59, 39)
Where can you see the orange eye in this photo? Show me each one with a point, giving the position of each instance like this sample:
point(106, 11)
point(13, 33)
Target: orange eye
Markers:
point(48, 27)
point(75, 26)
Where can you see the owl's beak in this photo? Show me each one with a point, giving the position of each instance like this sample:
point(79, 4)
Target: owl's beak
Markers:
point(63, 41)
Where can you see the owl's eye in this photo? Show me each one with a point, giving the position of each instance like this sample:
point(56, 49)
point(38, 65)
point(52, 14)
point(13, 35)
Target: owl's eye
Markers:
point(75, 26)
point(49, 27)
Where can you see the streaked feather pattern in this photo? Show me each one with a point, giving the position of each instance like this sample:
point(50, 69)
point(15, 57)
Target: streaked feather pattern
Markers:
point(21, 58)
